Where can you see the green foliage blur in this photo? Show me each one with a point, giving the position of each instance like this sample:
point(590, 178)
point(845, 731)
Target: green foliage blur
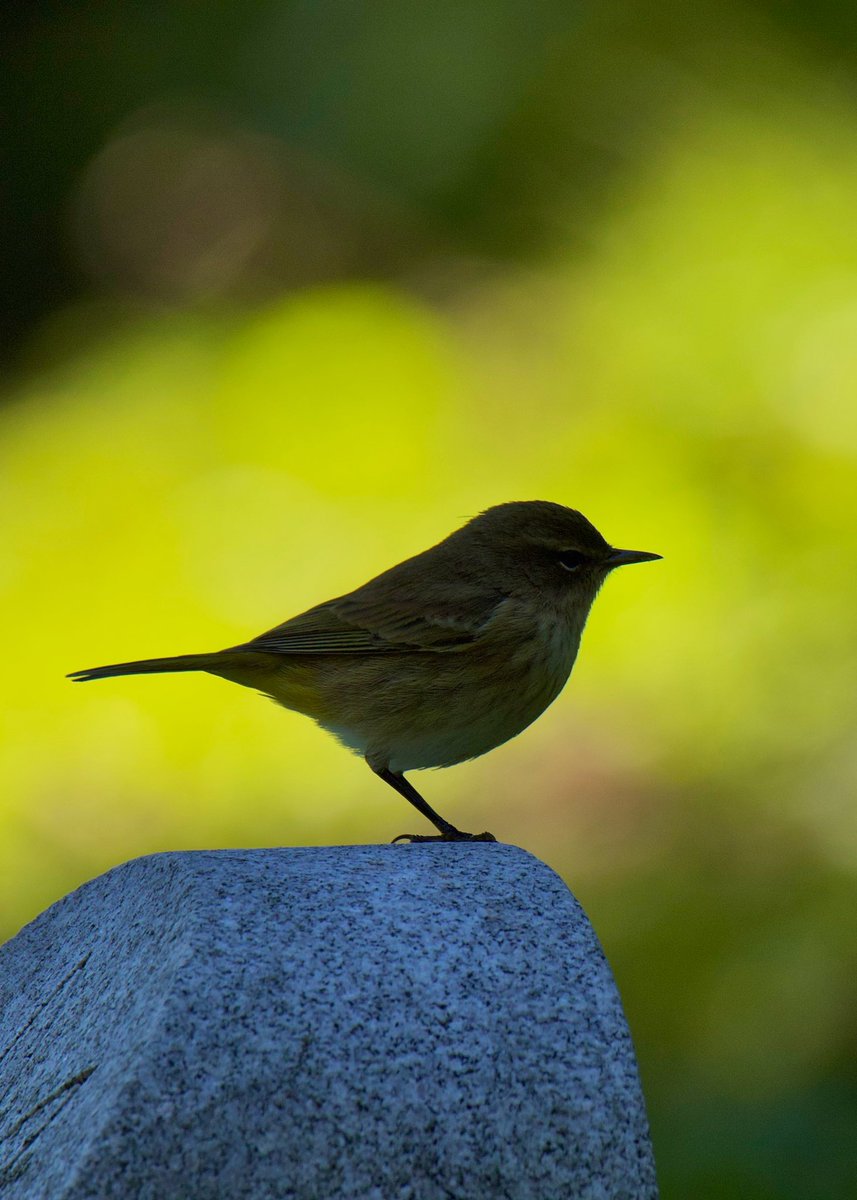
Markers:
point(293, 289)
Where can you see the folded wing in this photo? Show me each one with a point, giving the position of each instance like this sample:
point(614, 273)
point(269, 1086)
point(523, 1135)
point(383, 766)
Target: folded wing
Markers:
point(360, 624)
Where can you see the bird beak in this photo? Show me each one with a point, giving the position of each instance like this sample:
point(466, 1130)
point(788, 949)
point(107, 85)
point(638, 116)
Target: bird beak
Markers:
point(623, 558)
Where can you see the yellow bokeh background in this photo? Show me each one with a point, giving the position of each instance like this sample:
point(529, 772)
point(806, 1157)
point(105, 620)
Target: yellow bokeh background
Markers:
point(180, 478)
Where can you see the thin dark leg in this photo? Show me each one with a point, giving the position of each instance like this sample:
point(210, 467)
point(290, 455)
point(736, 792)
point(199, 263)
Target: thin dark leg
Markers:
point(448, 833)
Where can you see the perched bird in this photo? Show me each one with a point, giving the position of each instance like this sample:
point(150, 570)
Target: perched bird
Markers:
point(442, 657)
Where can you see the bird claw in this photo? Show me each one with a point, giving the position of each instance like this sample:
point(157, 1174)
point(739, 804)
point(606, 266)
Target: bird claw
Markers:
point(452, 835)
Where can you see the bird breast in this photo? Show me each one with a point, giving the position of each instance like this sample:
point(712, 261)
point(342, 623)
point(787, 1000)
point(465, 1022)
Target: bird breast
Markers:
point(411, 711)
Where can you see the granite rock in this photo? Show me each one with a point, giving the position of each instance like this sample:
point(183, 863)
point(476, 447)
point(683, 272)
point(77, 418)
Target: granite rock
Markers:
point(409, 1022)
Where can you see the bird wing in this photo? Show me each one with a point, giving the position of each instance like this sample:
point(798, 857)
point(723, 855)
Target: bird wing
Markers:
point(363, 622)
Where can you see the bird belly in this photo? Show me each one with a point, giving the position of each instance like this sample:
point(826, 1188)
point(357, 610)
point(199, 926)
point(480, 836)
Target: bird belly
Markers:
point(437, 710)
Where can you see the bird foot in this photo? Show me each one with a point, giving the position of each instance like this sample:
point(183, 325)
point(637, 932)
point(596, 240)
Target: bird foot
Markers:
point(450, 835)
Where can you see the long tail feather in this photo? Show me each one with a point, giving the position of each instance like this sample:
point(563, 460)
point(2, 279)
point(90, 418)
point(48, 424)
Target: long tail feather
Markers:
point(148, 666)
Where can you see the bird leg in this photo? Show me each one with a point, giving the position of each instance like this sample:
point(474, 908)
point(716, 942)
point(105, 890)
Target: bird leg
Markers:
point(448, 833)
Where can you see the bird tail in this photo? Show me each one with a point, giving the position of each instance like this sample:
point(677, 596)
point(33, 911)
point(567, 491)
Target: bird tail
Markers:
point(149, 666)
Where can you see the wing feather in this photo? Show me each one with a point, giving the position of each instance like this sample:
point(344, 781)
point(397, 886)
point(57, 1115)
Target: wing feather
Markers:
point(435, 602)
point(356, 625)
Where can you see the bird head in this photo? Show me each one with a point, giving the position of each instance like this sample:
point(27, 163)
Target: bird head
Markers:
point(547, 546)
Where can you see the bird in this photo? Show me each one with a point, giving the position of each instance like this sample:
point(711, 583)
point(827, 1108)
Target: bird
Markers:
point(439, 659)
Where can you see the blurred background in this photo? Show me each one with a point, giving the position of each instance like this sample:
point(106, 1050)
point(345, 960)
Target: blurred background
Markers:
point(292, 288)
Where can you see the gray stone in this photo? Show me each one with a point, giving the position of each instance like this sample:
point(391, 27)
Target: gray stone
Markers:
point(410, 1022)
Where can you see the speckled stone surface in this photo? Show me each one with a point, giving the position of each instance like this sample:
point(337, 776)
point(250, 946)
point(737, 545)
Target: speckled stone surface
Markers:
point(350, 1023)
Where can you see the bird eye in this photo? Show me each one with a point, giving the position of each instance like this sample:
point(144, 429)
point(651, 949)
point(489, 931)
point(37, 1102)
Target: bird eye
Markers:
point(571, 559)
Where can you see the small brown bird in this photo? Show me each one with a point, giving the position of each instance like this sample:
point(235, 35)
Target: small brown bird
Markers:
point(442, 657)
